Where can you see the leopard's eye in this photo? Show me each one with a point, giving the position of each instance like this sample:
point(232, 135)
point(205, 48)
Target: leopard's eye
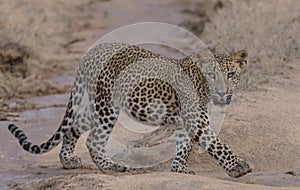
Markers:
point(230, 74)
point(211, 75)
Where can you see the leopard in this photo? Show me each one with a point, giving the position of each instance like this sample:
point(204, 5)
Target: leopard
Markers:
point(152, 89)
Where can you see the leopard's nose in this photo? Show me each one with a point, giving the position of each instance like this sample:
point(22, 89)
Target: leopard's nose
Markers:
point(221, 94)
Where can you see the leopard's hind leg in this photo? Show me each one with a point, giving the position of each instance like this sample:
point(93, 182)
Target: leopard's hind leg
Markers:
point(82, 123)
point(184, 146)
point(103, 119)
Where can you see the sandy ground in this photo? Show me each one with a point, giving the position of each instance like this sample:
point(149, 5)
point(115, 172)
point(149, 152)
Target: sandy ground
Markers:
point(261, 125)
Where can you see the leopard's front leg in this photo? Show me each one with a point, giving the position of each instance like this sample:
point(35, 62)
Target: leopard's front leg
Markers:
point(197, 124)
point(202, 133)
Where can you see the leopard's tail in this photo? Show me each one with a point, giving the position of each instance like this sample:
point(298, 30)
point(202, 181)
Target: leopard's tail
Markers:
point(65, 126)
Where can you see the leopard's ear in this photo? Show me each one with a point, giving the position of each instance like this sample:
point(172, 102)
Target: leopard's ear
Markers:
point(240, 58)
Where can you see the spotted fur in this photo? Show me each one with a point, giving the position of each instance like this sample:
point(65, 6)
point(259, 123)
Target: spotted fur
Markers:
point(151, 89)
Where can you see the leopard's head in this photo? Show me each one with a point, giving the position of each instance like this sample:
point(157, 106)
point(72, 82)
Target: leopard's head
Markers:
point(223, 75)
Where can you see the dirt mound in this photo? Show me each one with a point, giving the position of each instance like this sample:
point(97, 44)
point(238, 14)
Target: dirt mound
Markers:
point(158, 181)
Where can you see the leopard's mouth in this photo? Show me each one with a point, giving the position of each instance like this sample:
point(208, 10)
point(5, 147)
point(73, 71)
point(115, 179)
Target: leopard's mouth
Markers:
point(218, 100)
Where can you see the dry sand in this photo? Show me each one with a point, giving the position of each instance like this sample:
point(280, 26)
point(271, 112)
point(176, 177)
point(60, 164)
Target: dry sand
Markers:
point(261, 125)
